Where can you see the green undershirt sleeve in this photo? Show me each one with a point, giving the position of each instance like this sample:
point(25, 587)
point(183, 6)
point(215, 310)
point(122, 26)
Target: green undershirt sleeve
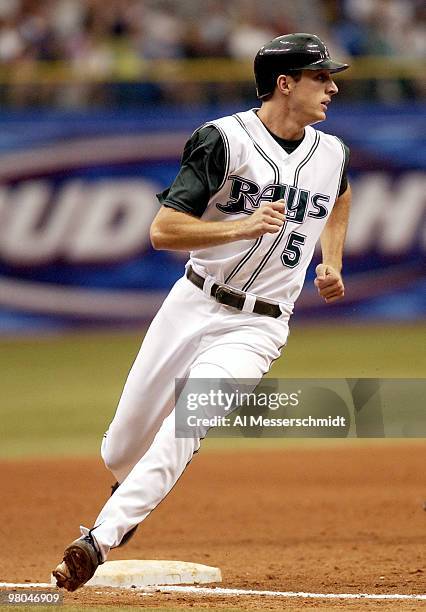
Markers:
point(201, 173)
point(344, 182)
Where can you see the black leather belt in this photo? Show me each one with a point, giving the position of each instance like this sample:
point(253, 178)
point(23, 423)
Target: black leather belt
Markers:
point(232, 297)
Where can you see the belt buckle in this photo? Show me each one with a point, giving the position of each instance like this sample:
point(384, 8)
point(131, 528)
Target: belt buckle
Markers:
point(238, 297)
point(218, 291)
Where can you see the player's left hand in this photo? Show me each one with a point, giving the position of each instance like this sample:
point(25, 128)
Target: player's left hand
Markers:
point(329, 283)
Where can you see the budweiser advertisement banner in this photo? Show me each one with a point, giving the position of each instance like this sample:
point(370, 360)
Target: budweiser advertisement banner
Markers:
point(77, 196)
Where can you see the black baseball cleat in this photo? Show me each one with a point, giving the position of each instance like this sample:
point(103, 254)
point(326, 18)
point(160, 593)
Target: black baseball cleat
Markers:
point(129, 535)
point(81, 559)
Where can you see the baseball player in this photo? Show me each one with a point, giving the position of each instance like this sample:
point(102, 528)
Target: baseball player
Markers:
point(254, 193)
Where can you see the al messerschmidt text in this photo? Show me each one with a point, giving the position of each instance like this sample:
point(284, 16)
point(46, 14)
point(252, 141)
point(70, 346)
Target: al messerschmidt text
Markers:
point(260, 420)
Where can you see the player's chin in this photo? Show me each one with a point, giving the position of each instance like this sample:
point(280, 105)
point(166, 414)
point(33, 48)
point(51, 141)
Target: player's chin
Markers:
point(317, 116)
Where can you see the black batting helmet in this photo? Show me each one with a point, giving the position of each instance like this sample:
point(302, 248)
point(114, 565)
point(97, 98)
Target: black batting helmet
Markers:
point(288, 53)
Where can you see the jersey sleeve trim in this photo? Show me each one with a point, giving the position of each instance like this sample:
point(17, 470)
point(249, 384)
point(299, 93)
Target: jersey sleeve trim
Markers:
point(227, 153)
point(342, 144)
point(176, 206)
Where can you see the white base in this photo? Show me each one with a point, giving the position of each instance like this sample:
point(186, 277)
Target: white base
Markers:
point(136, 573)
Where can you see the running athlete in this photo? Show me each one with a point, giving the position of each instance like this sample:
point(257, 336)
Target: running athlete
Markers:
point(255, 192)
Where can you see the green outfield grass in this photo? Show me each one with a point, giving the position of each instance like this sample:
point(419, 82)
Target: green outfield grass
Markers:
point(59, 393)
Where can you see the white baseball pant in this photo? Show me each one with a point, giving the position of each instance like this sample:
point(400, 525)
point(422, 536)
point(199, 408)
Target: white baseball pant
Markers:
point(191, 336)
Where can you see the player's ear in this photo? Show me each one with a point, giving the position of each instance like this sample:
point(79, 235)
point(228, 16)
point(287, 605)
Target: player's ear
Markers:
point(284, 84)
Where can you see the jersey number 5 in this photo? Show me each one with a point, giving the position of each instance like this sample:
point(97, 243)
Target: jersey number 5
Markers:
point(292, 252)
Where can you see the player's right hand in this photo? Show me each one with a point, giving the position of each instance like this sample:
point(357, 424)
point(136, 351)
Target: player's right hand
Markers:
point(268, 219)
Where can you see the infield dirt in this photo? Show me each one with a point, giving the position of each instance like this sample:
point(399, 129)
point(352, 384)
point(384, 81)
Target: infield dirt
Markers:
point(325, 520)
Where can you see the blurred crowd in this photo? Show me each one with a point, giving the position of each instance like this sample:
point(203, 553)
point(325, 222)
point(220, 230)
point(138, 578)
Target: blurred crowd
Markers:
point(97, 36)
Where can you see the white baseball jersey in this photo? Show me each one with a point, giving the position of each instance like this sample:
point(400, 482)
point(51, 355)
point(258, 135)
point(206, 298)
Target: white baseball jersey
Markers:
point(259, 171)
